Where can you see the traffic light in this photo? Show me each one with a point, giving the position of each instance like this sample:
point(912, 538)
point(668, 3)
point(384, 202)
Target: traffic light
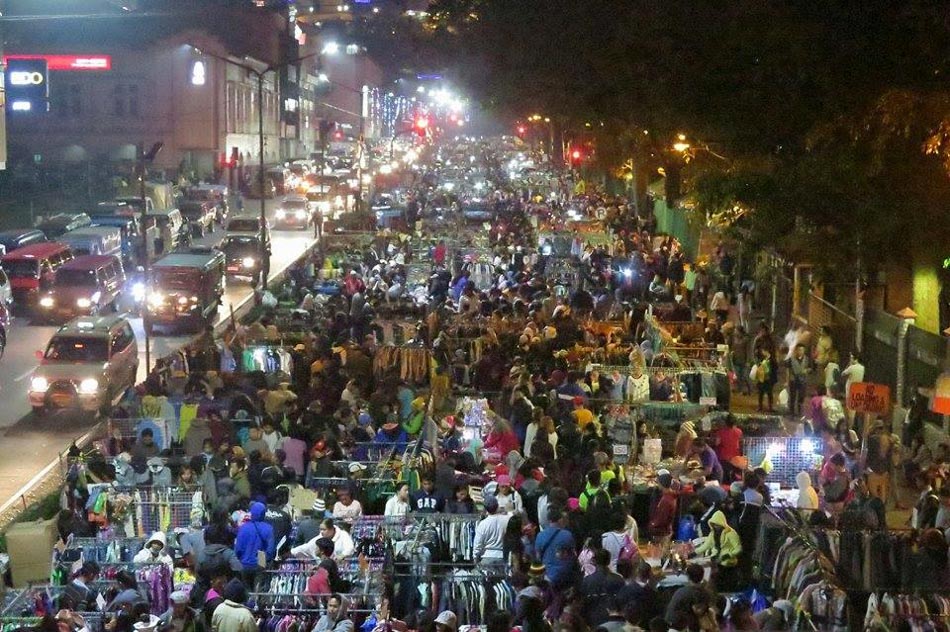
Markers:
point(421, 125)
point(522, 130)
point(576, 157)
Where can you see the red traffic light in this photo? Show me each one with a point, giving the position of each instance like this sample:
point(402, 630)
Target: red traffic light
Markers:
point(522, 130)
point(422, 123)
point(576, 155)
point(338, 135)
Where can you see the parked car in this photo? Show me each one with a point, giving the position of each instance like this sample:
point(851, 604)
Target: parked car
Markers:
point(186, 289)
point(10, 240)
point(169, 222)
point(62, 223)
point(87, 285)
point(87, 366)
point(217, 194)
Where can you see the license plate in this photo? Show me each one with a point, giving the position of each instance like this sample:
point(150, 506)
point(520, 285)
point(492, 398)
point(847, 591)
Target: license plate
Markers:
point(61, 400)
point(234, 268)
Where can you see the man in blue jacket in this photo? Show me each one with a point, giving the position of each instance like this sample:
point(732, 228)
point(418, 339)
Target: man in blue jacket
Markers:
point(556, 548)
point(255, 545)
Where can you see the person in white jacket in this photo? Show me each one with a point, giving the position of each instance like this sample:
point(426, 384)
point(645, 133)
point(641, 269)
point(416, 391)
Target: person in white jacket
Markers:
point(154, 551)
point(490, 534)
point(343, 546)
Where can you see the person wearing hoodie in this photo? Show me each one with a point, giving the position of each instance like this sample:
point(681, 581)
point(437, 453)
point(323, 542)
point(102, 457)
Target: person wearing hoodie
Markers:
point(255, 540)
point(724, 547)
point(124, 473)
point(232, 615)
point(217, 556)
point(335, 620)
point(154, 551)
point(807, 496)
point(227, 498)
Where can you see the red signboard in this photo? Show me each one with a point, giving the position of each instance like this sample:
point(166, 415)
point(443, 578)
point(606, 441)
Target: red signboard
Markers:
point(865, 397)
point(69, 62)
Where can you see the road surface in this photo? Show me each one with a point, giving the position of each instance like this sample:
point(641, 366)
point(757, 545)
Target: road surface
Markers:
point(30, 443)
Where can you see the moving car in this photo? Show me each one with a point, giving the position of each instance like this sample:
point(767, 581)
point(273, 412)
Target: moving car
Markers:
point(249, 225)
point(294, 212)
point(186, 289)
point(87, 365)
point(243, 254)
point(89, 284)
point(217, 194)
point(169, 222)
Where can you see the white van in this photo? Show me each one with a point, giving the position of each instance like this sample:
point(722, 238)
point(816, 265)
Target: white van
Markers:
point(94, 240)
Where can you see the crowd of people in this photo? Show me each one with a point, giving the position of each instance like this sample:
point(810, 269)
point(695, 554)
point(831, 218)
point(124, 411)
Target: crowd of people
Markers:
point(554, 509)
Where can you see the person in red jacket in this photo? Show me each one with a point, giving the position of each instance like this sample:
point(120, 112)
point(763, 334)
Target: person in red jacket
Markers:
point(661, 521)
point(501, 440)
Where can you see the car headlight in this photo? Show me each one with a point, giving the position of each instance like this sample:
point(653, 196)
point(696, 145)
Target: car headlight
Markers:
point(281, 213)
point(182, 300)
point(83, 303)
point(155, 299)
point(46, 301)
point(249, 262)
point(301, 214)
point(138, 292)
point(89, 385)
point(39, 384)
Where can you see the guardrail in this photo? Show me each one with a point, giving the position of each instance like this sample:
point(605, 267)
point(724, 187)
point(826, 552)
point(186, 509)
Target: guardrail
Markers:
point(53, 475)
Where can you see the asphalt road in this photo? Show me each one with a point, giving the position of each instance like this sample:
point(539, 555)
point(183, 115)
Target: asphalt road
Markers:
point(30, 443)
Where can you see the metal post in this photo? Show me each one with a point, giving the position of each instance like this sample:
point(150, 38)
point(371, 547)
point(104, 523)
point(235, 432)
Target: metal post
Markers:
point(146, 320)
point(359, 163)
point(902, 330)
point(265, 256)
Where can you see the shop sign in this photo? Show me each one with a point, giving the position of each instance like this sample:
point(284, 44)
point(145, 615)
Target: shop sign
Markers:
point(67, 62)
point(867, 397)
point(27, 85)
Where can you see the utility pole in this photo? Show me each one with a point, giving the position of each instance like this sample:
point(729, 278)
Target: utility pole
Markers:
point(145, 157)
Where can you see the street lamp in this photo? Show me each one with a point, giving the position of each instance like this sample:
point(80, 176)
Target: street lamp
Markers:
point(259, 72)
point(323, 78)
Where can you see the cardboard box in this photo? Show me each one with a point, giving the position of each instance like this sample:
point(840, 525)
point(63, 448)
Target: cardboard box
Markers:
point(30, 545)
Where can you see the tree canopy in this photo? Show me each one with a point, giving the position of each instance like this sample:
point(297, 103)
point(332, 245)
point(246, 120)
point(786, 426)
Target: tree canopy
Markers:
point(832, 119)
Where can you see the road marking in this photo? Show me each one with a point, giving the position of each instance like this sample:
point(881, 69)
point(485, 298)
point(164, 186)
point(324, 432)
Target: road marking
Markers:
point(25, 375)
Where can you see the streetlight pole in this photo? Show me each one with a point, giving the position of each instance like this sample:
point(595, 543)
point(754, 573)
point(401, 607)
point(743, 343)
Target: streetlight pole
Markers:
point(259, 74)
point(361, 140)
point(143, 158)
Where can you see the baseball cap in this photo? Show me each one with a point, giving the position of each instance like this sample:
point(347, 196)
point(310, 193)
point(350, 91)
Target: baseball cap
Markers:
point(448, 619)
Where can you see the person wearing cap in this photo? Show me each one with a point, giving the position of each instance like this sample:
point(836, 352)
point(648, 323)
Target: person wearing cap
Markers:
point(347, 509)
point(779, 616)
point(509, 500)
point(490, 534)
point(232, 615)
point(398, 503)
point(154, 551)
point(446, 621)
point(309, 527)
point(179, 617)
point(335, 619)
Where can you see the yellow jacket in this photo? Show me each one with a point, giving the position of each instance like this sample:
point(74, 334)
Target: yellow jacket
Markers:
point(730, 546)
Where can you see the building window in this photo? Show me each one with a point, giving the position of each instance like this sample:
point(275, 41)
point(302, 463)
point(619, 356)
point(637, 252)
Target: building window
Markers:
point(134, 101)
point(118, 100)
point(75, 100)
